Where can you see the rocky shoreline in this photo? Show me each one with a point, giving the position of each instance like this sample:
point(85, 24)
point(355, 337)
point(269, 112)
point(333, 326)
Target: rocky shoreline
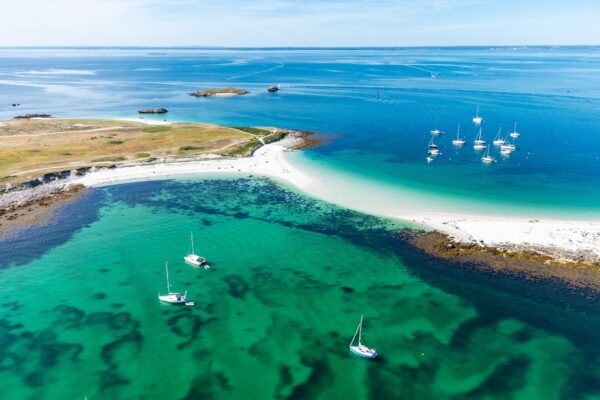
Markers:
point(576, 270)
point(34, 206)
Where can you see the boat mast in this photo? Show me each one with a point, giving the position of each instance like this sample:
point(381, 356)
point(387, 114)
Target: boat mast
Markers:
point(477, 112)
point(167, 270)
point(192, 240)
point(458, 132)
point(360, 331)
point(356, 332)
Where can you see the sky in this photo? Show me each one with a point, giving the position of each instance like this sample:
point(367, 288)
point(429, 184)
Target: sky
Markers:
point(257, 23)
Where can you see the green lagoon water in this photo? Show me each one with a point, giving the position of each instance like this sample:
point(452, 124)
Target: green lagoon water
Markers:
point(290, 278)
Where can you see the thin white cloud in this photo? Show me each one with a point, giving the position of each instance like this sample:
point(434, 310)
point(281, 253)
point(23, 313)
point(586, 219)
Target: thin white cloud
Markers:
point(294, 22)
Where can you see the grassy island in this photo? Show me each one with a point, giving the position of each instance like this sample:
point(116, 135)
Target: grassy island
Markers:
point(230, 91)
point(30, 148)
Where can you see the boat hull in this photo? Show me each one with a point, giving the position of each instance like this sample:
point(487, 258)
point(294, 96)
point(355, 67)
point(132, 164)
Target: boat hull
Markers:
point(194, 260)
point(363, 352)
point(173, 298)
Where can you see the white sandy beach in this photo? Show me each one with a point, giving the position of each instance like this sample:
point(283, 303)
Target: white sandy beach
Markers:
point(559, 238)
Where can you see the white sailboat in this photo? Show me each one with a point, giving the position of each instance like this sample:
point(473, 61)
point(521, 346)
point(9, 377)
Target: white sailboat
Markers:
point(487, 159)
point(479, 143)
point(498, 140)
point(507, 148)
point(514, 134)
point(172, 297)
point(193, 258)
point(477, 119)
point(458, 141)
point(437, 132)
point(433, 149)
point(360, 349)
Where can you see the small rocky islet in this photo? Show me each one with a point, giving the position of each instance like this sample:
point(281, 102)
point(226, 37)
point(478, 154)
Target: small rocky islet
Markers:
point(229, 91)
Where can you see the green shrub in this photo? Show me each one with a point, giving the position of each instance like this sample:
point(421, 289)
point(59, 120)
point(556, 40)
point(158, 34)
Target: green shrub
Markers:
point(109, 158)
point(156, 128)
point(115, 142)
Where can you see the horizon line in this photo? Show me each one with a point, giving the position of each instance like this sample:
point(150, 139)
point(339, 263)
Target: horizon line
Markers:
point(301, 47)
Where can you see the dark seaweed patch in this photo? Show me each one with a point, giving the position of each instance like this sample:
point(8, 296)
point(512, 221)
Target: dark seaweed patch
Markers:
point(68, 317)
point(347, 289)
point(99, 296)
point(238, 287)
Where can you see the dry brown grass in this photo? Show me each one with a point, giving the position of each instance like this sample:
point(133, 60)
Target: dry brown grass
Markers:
point(30, 148)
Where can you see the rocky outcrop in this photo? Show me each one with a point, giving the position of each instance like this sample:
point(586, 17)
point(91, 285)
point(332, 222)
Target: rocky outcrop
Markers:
point(153, 111)
point(29, 116)
point(230, 91)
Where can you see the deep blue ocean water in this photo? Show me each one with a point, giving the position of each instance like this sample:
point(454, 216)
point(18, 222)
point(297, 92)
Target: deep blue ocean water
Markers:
point(378, 104)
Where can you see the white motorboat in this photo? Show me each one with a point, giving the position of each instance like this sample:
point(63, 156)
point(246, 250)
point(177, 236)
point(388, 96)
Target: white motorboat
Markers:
point(193, 258)
point(360, 349)
point(172, 297)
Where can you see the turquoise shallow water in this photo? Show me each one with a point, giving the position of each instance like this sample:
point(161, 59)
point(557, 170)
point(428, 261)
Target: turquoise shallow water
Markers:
point(290, 277)
point(379, 104)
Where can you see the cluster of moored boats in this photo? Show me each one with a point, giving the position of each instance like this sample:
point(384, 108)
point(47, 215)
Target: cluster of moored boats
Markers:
point(178, 297)
point(504, 143)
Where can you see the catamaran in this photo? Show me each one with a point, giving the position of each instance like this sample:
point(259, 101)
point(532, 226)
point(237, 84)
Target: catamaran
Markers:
point(514, 134)
point(477, 119)
point(498, 140)
point(479, 143)
point(193, 258)
point(458, 141)
point(172, 297)
point(360, 349)
point(487, 159)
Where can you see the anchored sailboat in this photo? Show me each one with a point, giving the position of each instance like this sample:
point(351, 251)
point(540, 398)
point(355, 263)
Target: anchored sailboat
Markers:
point(193, 258)
point(487, 159)
point(498, 140)
point(172, 297)
point(360, 349)
point(479, 143)
point(514, 134)
point(433, 148)
point(458, 141)
point(477, 119)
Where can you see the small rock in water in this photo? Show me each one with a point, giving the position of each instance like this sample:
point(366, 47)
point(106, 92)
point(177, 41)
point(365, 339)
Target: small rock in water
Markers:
point(153, 111)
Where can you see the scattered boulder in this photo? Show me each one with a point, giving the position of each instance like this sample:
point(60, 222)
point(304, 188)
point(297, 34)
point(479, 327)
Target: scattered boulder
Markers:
point(153, 111)
point(29, 116)
point(230, 91)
